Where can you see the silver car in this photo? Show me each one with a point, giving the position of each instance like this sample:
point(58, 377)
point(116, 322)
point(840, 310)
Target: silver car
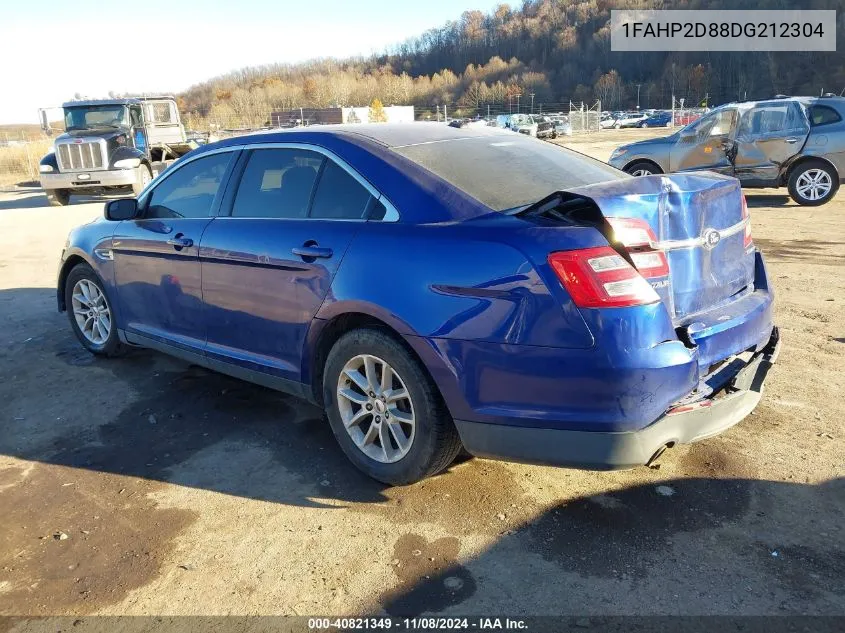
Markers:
point(797, 142)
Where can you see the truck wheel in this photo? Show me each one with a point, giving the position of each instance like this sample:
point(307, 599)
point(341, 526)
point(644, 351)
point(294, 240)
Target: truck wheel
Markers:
point(57, 197)
point(144, 178)
point(384, 410)
point(643, 168)
point(813, 183)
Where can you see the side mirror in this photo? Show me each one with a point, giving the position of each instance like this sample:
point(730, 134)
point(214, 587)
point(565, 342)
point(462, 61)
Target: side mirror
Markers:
point(122, 209)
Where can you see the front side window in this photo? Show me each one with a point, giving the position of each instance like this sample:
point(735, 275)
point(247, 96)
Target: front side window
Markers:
point(190, 190)
point(277, 183)
point(718, 123)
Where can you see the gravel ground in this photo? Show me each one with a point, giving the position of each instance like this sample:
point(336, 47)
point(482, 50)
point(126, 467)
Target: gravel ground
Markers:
point(146, 486)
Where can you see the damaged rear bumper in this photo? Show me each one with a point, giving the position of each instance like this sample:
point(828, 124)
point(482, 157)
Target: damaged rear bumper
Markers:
point(688, 421)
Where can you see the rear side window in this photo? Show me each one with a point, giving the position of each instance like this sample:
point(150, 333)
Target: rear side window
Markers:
point(772, 119)
point(189, 191)
point(277, 183)
point(822, 115)
point(339, 196)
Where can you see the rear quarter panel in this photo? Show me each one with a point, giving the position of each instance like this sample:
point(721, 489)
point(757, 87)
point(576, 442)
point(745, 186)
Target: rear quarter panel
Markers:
point(462, 281)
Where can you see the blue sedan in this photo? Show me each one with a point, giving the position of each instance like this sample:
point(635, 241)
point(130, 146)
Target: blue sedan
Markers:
point(436, 288)
point(658, 119)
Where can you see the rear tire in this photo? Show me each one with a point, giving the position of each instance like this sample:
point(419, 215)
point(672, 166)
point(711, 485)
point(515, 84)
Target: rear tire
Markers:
point(432, 440)
point(57, 197)
point(643, 168)
point(144, 178)
point(813, 183)
point(90, 297)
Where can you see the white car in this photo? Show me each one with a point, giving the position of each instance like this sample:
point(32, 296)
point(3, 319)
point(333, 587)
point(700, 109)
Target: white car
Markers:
point(629, 119)
point(562, 125)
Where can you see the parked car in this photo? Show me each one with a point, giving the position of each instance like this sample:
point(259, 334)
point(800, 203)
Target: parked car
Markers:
point(686, 117)
point(435, 288)
point(535, 125)
point(563, 127)
point(658, 119)
point(630, 119)
point(797, 142)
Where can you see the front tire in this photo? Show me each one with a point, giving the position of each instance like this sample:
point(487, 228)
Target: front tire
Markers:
point(643, 168)
point(90, 312)
point(58, 197)
point(385, 411)
point(143, 179)
point(813, 183)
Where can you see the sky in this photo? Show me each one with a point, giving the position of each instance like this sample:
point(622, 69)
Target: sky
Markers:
point(52, 49)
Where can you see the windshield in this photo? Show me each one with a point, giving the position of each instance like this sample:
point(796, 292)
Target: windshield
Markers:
point(508, 172)
point(98, 116)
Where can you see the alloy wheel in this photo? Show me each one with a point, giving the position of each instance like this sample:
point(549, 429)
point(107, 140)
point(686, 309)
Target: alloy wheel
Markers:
point(641, 172)
point(814, 184)
point(376, 408)
point(91, 311)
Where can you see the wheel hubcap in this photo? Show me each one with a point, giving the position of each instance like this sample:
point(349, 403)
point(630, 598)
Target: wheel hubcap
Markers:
point(641, 172)
point(376, 408)
point(814, 184)
point(91, 311)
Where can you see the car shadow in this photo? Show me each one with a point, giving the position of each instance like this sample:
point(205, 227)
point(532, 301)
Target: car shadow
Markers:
point(35, 198)
point(769, 533)
point(807, 251)
point(760, 200)
point(181, 426)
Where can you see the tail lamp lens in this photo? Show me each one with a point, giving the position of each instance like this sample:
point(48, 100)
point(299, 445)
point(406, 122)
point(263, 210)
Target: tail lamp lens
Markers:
point(601, 278)
point(638, 237)
point(747, 217)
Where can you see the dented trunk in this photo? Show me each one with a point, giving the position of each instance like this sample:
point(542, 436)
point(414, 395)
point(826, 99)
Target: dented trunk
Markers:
point(698, 223)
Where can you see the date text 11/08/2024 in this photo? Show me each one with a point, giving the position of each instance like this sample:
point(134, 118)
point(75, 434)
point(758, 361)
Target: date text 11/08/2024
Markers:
point(418, 624)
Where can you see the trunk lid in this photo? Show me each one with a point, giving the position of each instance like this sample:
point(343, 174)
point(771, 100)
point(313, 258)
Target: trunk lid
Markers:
point(699, 224)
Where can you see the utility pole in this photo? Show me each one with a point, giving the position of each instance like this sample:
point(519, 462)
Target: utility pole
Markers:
point(638, 97)
point(532, 103)
point(518, 95)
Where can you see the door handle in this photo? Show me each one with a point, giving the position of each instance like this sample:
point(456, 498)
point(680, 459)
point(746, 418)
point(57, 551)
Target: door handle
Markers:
point(791, 140)
point(312, 251)
point(179, 242)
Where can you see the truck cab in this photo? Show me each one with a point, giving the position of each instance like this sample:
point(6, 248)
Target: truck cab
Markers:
point(111, 145)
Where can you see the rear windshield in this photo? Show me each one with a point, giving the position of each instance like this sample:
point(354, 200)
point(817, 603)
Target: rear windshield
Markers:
point(506, 171)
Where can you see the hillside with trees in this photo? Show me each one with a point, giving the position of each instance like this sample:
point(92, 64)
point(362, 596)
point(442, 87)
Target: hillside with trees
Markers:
point(556, 50)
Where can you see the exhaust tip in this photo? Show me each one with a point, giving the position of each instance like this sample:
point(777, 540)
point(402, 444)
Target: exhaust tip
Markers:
point(658, 453)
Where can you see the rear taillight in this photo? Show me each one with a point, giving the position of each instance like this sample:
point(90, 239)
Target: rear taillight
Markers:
point(746, 242)
point(638, 237)
point(601, 278)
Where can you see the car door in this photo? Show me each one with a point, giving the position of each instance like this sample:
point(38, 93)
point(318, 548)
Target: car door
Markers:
point(705, 144)
point(268, 263)
point(768, 135)
point(156, 256)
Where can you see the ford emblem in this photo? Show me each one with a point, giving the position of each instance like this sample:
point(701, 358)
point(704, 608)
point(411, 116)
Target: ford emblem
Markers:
point(711, 238)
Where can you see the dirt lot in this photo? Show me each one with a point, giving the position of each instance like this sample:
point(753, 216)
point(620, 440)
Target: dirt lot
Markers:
point(146, 486)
